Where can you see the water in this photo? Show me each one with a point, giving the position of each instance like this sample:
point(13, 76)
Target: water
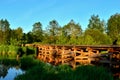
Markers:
point(12, 72)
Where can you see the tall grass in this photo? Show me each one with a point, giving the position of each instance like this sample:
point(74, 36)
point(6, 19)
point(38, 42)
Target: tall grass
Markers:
point(11, 51)
point(8, 51)
point(92, 73)
point(9, 54)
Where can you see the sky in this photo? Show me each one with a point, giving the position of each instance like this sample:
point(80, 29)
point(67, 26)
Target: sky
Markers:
point(24, 13)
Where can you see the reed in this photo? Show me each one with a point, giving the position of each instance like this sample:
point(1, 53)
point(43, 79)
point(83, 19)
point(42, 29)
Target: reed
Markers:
point(8, 51)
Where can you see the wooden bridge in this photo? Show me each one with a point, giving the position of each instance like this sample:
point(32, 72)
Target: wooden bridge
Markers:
point(105, 55)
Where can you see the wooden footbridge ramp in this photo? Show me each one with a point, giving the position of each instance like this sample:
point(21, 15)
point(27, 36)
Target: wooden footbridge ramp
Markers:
point(75, 55)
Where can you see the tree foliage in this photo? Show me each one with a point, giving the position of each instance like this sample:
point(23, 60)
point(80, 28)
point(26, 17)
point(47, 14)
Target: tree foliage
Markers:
point(16, 36)
point(113, 26)
point(4, 31)
point(53, 31)
point(96, 23)
point(37, 32)
point(96, 33)
point(73, 31)
point(96, 29)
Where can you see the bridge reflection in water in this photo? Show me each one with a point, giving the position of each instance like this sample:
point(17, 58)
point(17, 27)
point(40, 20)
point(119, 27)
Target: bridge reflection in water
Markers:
point(75, 55)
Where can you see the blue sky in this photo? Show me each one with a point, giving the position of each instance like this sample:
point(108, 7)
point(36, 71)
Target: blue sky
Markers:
point(24, 13)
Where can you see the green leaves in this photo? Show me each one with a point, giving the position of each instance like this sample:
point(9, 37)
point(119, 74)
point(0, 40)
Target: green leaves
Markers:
point(37, 32)
point(4, 31)
point(113, 28)
point(96, 33)
point(96, 23)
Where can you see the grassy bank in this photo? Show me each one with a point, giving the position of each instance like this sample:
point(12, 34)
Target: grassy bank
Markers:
point(36, 70)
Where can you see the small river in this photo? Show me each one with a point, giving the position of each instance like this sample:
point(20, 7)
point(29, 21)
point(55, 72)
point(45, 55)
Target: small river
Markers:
point(10, 74)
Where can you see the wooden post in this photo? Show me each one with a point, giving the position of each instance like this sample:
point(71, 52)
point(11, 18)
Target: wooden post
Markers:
point(62, 55)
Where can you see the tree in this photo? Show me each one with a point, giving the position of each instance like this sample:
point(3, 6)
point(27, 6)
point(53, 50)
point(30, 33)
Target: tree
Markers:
point(62, 38)
point(113, 26)
point(19, 33)
point(86, 40)
point(4, 31)
point(97, 36)
point(73, 31)
point(96, 29)
point(53, 31)
point(24, 38)
point(16, 36)
point(29, 37)
point(37, 32)
point(96, 23)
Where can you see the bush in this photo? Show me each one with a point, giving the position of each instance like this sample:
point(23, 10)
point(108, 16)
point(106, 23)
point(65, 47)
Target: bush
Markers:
point(28, 63)
point(92, 73)
point(64, 72)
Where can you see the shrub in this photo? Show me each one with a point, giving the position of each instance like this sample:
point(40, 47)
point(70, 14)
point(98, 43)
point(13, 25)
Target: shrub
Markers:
point(64, 72)
point(28, 63)
point(92, 73)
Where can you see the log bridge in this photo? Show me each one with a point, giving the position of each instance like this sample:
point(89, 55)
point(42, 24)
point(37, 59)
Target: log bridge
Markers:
point(75, 55)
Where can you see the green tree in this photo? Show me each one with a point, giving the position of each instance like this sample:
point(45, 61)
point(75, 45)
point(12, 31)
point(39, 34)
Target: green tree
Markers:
point(4, 31)
point(97, 36)
point(29, 37)
point(73, 31)
point(53, 31)
point(96, 23)
point(62, 37)
point(37, 32)
point(24, 38)
point(19, 33)
point(113, 26)
point(85, 40)
point(96, 29)
point(16, 36)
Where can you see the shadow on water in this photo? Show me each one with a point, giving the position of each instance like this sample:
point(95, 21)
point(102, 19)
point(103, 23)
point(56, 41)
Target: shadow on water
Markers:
point(9, 73)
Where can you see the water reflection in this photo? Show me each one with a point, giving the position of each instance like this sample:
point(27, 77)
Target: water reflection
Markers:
point(11, 73)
